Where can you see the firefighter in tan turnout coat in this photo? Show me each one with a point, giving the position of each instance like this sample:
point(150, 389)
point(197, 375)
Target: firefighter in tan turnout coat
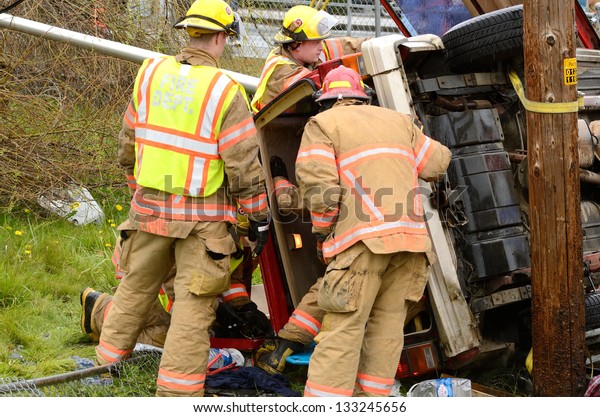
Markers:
point(304, 41)
point(189, 144)
point(358, 168)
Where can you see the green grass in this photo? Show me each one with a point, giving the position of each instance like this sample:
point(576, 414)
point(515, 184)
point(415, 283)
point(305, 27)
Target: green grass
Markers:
point(45, 263)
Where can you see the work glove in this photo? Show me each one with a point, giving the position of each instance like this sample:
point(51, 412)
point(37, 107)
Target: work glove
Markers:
point(259, 233)
point(255, 324)
point(278, 168)
point(320, 240)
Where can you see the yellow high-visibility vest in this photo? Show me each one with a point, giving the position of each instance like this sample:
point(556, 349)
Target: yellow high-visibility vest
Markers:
point(179, 109)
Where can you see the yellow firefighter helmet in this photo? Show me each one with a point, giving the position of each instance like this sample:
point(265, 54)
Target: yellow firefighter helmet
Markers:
point(209, 16)
point(303, 23)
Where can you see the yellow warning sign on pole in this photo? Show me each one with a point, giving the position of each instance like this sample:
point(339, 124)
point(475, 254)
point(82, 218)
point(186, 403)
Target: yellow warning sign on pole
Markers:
point(570, 71)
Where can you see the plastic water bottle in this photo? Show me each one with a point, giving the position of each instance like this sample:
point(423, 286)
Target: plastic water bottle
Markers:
point(442, 387)
point(228, 356)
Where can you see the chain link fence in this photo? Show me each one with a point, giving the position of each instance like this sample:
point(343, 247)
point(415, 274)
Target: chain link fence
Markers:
point(133, 378)
point(261, 19)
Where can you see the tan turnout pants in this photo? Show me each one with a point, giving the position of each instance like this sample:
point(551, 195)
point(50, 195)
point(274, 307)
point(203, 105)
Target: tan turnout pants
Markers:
point(199, 280)
point(365, 298)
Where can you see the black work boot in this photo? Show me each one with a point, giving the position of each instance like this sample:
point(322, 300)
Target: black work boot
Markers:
point(88, 299)
point(272, 355)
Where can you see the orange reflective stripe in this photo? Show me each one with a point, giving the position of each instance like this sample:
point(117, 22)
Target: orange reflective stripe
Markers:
point(333, 48)
point(312, 152)
point(216, 119)
point(143, 93)
point(235, 291)
point(315, 390)
point(268, 69)
point(254, 204)
point(131, 182)
point(374, 385)
point(413, 232)
point(423, 151)
point(236, 134)
point(282, 183)
point(291, 80)
point(359, 189)
point(110, 353)
point(116, 259)
point(209, 114)
point(107, 309)
point(375, 151)
point(179, 381)
point(165, 300)
point(324, 219)
point(179, 207)
point(305, 321)
point(177, 141)
point(129, 116)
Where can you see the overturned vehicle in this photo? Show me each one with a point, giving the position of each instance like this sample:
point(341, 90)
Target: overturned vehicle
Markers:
point(477, 307)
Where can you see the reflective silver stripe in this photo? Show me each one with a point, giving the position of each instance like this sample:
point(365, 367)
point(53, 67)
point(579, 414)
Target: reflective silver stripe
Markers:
point(315, 152)
point(306, 322)
point(336, 244)
point(197, 182)
point(176, 141)
point(233, 290)
point(323, 218)
point(139, 158)
point(223, 140)
point(376, 151)
point(335, 48)
point(185, 70)
point(143, 88)
point(363, 195)
point(423, 150)
point(129, 118)
point(318, 393)
point(255, 203)
point(105, 352)
point(180, 381)
point(372, 384)
point(212, 107)
point(221, 213)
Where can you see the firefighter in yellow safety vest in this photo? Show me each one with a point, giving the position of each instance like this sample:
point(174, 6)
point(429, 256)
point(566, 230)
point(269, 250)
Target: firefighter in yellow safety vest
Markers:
point(304, 41)
point(189, 144)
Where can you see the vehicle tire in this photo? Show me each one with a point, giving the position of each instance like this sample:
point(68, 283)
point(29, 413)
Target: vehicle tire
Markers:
point(592, 311)
point(483, 42)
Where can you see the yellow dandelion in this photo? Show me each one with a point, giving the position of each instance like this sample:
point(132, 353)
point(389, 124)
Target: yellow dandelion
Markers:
point(27, 210)
point(18, 232)
point(27, 252)
point(108, 245)
point(119, 207)
point(113, 225)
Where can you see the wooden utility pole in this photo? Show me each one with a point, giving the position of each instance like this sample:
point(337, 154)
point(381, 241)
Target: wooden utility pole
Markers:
point(558, 317)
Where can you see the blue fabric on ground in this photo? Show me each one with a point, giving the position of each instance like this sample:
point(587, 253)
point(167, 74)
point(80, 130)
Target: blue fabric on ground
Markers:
point(252, 378)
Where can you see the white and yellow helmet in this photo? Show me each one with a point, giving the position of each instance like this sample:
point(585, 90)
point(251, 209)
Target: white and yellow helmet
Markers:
point(209, 16)
point(304, 23)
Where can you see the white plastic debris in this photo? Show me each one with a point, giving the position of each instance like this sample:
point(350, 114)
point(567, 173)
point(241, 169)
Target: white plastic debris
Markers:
point(75, 203)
